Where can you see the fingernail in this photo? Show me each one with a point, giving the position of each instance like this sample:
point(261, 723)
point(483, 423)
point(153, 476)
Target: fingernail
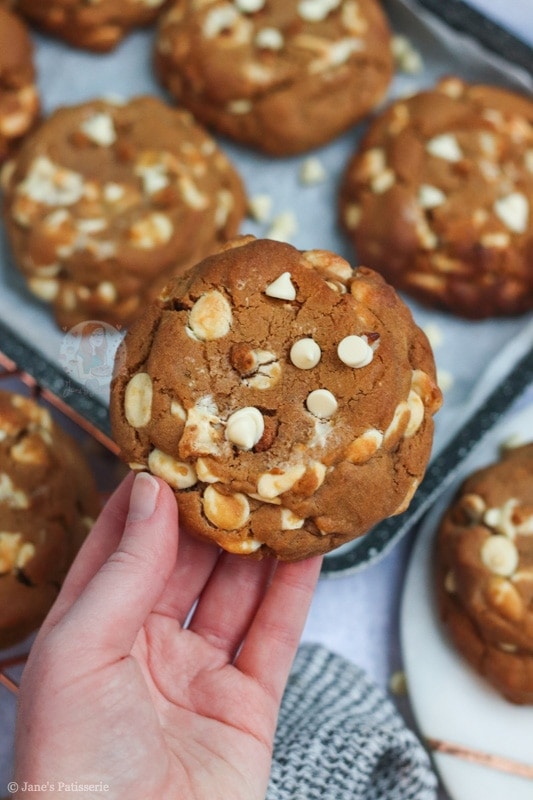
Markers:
point(143, 497)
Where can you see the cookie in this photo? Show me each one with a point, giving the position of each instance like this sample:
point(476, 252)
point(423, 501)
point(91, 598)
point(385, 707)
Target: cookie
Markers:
point(286, 398)
point(484, 579)
point(48, 501)
point(98, 26)
point(19, 97)
point(106, 201)
point(438, 198)
point(284, 76)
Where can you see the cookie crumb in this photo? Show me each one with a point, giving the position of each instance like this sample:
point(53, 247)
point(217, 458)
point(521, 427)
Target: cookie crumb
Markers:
point(312, 171)
point(398, 683)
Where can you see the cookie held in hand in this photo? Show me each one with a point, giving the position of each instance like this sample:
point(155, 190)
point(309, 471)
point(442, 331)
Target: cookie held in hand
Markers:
point(484, 568)
point(48, 501)
point(286, 398)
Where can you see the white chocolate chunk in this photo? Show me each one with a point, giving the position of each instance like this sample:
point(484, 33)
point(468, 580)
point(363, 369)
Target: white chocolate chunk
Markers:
point(177, 474)
point(52, 184)
point(364, 447)
point(177, 410)
point(499, 555)
point(249, 6)
point(269, 39)
point(260, 207)
point(513, 210)
point(14, 553)
point(289, 520)
point(100, 129)
point(430, 196)
point(416, 407)
point(14, 498)
point(138, 400)
point(218, 20)
point(354, 351)
point(44, 288)
point(283, 227)
point(210, 317)
point(322, 403)
point(305, 354)
point(229, 512)
point(272, 484)
point(245, 427)
point(153, 230)
point(282, 288)
point(316, 10)
point(445, 146)
point(312, 171)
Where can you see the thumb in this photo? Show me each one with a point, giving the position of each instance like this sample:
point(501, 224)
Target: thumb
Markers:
point(111, 610)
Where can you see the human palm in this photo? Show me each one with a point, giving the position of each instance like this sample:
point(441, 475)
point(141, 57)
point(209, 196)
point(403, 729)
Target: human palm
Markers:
point(125, 688)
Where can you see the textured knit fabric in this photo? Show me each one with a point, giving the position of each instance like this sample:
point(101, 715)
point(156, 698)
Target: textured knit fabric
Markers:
point(340, 738)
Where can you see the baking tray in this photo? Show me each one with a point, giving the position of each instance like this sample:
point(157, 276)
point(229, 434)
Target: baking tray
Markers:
point(451, 37)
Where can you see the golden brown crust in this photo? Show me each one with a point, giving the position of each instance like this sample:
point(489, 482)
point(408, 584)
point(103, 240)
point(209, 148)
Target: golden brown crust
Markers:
point(439, 198)
point(278, 75)
point(215, 390)
point(484, 566)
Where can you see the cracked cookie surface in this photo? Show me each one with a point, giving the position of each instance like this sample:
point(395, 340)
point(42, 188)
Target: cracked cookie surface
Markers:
point(281, 75)
point(98, 25)
point(19, 97)
point(484, 569)
point(439, 198)
point(48, 501)
point(285, 397)
point(106, 201)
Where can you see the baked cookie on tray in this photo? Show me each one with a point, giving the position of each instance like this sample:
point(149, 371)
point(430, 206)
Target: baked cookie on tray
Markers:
point(439, 198)
point(281, 75)
point(97, 25)
point(285, 397)
point(484, 566)
point(106, 201)
point(48, 501)
point(19, 97)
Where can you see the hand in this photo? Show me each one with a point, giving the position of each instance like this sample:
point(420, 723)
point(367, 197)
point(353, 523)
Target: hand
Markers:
point(122, 688)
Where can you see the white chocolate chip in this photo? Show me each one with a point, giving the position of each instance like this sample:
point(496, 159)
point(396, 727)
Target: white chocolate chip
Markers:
point(383, 182)
point(14, 553)
point(289, 520)
point(245, 427)
point(218, 20)
point(283, 227)
point(177, 410)
point(241, 106)
point(138, 400)
point(51, 184)
point(445, 146)
point(513, 210)
point(14, 498)
point(312, 171)
point(269, 39)
point(151, 231)
point(44, 288)
point(321, 403)
point(417, 409)
point(249, 6)
point(282, 288)
point(177, 474)
point(210, 317)
point(204, 471)
point(430, 196)
point(499, 555)
point(272, 484)
point(260, 207)
point(100, 129)
point(305, 354)
point(228, 512)
point(316, 10)
point(364, 447)
point(354, 351)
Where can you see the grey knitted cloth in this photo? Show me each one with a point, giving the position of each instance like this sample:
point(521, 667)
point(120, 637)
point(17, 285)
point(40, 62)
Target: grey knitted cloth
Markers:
point(340, 738)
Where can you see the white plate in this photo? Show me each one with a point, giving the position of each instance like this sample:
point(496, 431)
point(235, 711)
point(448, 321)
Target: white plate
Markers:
point(451, 703)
